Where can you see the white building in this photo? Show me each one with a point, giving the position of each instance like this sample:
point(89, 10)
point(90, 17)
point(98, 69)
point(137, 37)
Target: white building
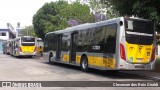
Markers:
point(6, 33)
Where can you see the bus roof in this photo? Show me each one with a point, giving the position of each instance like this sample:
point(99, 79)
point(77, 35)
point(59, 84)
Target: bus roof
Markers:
point(91, 25)
point(85, 26)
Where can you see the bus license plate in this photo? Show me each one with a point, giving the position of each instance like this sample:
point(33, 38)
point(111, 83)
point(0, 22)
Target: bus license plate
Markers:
point(27, 52)
point(139, 66)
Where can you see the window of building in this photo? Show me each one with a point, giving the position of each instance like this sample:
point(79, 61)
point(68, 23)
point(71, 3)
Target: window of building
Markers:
point(3, 34)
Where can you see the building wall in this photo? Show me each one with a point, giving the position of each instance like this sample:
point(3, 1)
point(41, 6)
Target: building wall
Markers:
point(1, 48)
point(4, 35)
point(6, 32)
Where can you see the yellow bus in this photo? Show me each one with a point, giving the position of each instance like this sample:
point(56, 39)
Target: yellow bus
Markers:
point(23, 46)
point(39, 46)
point(117, 44)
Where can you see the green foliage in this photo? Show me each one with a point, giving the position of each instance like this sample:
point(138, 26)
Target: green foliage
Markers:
point(103, 6)
point(147, 9)
point(54, 16)
point(29, 31)
point(80, 12)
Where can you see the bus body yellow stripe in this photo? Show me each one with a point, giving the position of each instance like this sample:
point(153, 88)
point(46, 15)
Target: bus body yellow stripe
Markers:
point(94, 61)
point(27, 49)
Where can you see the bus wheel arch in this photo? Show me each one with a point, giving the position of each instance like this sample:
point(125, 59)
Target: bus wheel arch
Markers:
point(84, 63)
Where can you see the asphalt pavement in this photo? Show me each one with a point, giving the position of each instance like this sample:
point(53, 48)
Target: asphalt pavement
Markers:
point(37, 69)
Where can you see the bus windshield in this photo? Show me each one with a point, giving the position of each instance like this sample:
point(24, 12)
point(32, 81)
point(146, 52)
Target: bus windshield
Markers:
point(139, 31)
point(28, 41)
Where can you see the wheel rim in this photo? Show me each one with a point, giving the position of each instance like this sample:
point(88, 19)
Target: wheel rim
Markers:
point(84, 64)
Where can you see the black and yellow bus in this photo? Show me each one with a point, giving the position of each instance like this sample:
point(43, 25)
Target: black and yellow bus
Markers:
point(23, 46)
point(117, 44)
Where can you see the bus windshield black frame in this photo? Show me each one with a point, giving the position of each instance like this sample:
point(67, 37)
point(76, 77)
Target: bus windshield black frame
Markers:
point(139, 31)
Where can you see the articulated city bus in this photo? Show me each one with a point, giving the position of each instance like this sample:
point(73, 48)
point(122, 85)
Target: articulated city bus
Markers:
point(6, 47)
point(23, 46)
point(116, 44)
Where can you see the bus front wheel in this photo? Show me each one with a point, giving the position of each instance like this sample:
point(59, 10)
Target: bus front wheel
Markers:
point(84, 64)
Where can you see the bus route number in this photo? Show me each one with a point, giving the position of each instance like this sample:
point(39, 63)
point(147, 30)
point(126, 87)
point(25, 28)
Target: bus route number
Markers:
point(96, 47)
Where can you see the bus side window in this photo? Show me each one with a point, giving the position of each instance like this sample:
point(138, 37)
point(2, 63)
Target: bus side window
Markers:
point(110, 41)
point(51, 42)
point(46, 44)
point(16, 45)
point(65, 44)
point(83, 40)
point(97, 39)
point(92, 35)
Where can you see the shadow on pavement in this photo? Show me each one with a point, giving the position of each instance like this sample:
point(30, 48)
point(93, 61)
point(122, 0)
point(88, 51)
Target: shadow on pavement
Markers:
point(113, 74)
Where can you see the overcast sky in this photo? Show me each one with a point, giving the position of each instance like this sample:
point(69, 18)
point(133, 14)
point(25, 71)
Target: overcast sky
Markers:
point(13, 11)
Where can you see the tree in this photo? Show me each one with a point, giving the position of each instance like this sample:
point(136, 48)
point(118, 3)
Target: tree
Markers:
point(147, 9)
point(103, 8)
point(28, 31)
point(55, 16)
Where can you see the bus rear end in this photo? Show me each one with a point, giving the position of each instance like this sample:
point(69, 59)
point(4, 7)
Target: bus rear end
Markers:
point(137, 45)
point(27, 47)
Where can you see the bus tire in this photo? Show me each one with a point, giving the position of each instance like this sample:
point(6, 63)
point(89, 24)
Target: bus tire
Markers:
point(50, 56)
point(84, 64)
point(16, 56)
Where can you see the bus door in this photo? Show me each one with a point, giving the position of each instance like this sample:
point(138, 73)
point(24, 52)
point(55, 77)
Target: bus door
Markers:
point(73, 47)
point(58, 51)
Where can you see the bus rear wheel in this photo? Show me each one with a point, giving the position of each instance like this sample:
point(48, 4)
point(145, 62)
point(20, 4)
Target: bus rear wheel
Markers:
point(84, 64)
